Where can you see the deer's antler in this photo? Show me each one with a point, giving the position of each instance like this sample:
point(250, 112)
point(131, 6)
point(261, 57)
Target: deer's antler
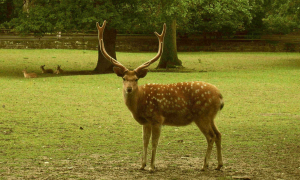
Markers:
point(102, 48)
point(160, 50)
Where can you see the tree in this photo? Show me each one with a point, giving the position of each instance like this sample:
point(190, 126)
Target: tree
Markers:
point(167, 11)
point(196, 16)
point(170, 12)
point(6, 10)
point(109, 39)
point(169, 58)
point(214, 16)
point(283, 17)
point(200, 16)
point(44, 16)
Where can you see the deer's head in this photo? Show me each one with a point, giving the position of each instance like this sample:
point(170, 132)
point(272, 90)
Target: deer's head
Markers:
point(130, 78)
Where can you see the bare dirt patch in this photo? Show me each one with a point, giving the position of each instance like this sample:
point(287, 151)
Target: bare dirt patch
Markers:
point(168, 168)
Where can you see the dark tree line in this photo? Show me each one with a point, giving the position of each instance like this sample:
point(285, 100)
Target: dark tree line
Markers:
point(223, 17)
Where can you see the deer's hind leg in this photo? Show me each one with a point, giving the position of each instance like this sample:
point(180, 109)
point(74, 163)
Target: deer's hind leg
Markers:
point(218, 144)
point(204, 124)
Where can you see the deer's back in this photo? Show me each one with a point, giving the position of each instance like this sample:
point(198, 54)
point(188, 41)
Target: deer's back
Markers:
point(179, 103)
point(30, 75)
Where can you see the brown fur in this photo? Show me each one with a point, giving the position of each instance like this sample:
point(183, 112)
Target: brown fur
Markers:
point(178, 104)
point(58, 70)
point(29, 75)
point(46, 70)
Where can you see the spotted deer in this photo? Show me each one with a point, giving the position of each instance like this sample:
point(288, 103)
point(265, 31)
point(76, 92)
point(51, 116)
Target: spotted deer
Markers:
point(153, 105)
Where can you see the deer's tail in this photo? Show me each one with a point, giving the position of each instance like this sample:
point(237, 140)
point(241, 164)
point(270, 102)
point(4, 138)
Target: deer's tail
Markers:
point(222, 102)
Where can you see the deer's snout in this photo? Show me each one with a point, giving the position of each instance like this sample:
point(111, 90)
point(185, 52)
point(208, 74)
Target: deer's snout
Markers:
point(129, 89)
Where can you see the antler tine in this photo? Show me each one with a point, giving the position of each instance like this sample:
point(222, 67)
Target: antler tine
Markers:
point(102, 47)
point(160, 49)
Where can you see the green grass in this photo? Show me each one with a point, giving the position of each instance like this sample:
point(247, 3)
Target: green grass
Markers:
point(40, 119)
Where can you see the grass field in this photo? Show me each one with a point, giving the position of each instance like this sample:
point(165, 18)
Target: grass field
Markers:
point(74, 126)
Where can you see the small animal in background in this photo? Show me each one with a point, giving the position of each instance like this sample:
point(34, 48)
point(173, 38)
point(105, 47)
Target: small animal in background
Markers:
point(29, 75)
point(46, 70)
point(58, 70)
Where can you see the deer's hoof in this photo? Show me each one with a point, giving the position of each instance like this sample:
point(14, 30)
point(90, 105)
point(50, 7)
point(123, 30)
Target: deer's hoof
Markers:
point(219, 167)
point(151, 170)
point(143, 167)
point(204, 168)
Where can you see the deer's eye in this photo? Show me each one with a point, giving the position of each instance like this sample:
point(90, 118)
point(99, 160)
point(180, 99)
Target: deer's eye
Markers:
point(136, 80)
point(123, 79)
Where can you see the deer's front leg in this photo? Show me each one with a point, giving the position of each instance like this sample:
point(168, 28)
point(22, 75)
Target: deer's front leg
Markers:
point(156, 129)
point(146, 138)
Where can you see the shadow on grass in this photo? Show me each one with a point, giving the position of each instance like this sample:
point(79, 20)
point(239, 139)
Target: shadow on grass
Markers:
point(292, 63)
point(78, 73)
point(11, 73)
point(175, 70)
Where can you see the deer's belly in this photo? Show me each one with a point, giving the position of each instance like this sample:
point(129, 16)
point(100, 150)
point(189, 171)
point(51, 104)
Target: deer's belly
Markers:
point(177, 119)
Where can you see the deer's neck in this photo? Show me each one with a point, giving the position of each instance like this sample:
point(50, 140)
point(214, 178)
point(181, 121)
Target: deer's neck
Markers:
point(131, 99)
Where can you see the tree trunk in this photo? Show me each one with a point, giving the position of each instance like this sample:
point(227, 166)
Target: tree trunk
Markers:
point(10, 9)
point(26, 4)
point(169, 58)
point(109, 38)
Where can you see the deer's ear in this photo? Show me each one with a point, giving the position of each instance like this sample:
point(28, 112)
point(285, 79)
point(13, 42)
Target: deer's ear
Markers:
point(119, 71)
point(141, 73)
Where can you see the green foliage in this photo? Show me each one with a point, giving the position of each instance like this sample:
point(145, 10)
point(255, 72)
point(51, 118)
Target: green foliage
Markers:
point(139, 16)
point(283, 17)
point(39, 21)
point(6, 11)
point(226, 16)
point(81, 15)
